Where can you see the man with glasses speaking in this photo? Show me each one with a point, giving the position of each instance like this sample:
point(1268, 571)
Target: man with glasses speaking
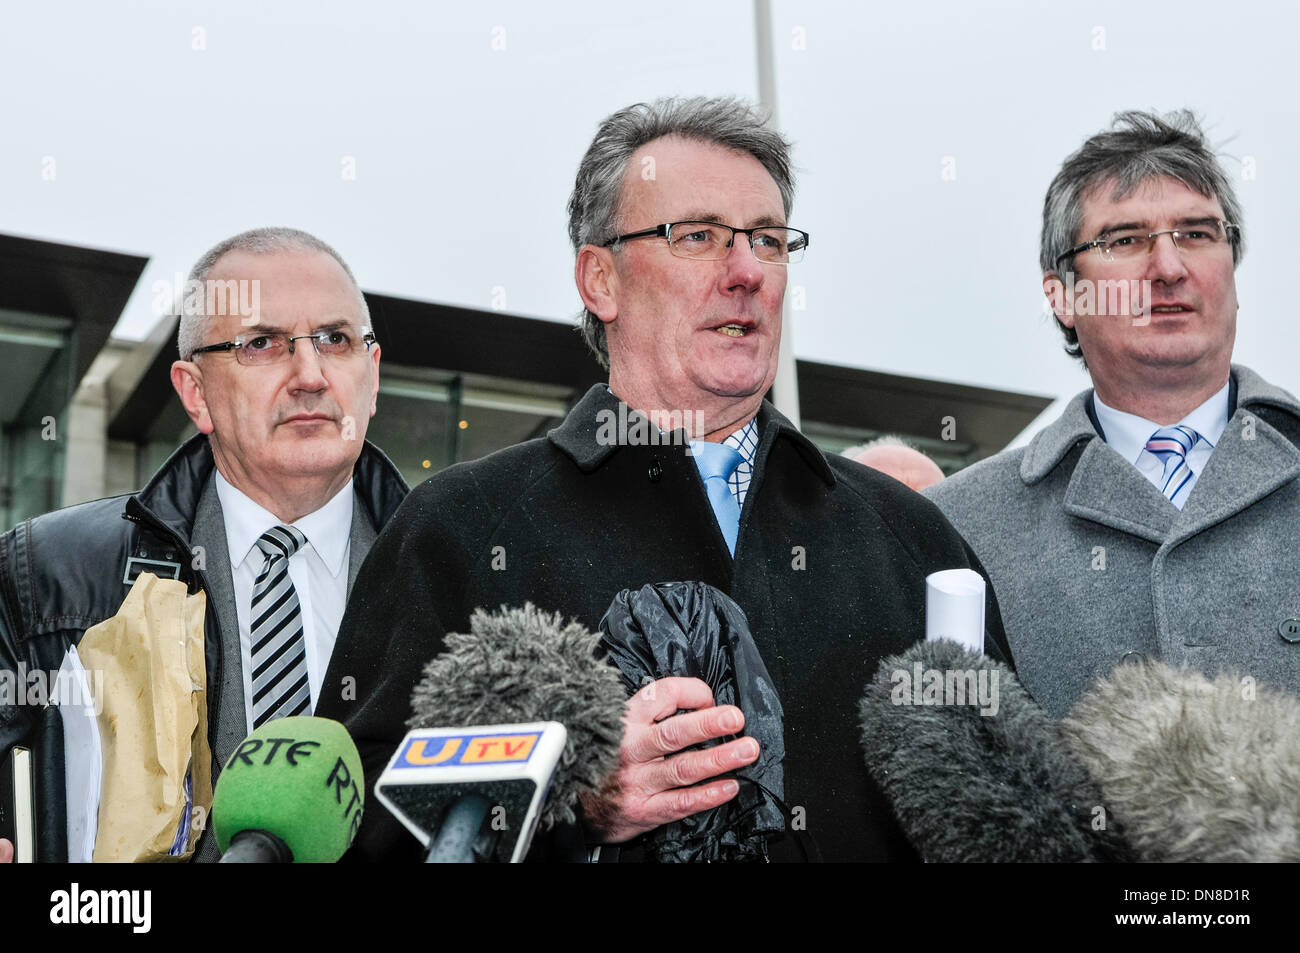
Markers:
point(1156, 518)
point(270, 508)
point(677, 469)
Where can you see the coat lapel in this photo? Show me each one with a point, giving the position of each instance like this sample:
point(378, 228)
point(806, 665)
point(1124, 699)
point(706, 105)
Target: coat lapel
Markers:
point(210, 533)
point(1107, 489)
point(1104, 488)
point(360, 540)
point(230, 724)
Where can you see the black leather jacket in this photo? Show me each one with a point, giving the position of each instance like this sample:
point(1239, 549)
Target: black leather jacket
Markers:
point(66, 571)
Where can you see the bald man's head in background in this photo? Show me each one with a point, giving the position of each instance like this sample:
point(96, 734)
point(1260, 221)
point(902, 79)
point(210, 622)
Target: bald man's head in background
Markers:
point(895, 458)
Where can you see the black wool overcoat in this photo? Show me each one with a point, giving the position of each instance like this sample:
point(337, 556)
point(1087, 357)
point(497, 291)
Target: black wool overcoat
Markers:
point(830, 569)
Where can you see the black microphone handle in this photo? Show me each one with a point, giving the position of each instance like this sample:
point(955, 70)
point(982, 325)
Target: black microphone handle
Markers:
point(257, 847)
point(454, 842)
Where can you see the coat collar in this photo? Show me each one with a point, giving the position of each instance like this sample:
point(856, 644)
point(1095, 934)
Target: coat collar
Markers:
point(1254, 391)
point(576, 437)
point(1251, 460)
point(1053, 442)
point(171, 496)
point(1050, 445)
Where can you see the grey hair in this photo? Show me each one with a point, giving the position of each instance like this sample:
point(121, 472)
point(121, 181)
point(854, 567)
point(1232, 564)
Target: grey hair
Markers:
point(888, 440)
point(257, 241)
point(1138, 147)
point(594, 206)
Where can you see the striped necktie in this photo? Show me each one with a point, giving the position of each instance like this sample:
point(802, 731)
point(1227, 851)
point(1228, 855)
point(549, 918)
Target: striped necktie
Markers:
point(280, 684)
point(1170, 445)
point(717, 462)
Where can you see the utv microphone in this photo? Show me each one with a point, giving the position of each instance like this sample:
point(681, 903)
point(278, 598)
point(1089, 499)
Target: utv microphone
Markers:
point(480, 716)
point(471, 794)
point(292, 791)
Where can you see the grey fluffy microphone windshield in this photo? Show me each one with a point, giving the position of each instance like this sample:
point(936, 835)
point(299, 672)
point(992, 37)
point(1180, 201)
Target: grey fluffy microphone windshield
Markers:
point(525, 665)
point(1195, 770)
point(974, 768)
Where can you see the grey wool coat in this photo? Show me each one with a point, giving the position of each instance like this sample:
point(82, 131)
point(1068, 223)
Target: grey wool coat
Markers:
point(1092, 565)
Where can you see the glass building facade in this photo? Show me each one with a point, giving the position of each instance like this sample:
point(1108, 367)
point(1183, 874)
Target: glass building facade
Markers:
point(58, 305)
point(36, 386)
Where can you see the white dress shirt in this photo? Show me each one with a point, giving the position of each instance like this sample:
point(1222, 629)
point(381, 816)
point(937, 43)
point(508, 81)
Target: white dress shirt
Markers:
point(1128, 434)
point(319, 572)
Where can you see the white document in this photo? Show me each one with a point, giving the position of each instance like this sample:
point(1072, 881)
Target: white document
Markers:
point(954, 607)
point(83, 756)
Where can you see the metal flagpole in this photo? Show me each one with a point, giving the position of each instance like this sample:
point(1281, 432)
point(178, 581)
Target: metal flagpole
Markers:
point(785, 389)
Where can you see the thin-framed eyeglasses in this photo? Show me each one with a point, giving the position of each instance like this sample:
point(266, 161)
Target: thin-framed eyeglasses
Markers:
point(711, 241)
point(271, 347)
point(1130, 243)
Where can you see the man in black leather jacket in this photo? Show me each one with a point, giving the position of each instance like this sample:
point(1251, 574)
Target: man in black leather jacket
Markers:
point(281, 439)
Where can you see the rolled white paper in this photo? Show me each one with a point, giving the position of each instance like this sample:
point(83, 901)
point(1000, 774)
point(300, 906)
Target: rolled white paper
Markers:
point(954, 607)
point(83, 757)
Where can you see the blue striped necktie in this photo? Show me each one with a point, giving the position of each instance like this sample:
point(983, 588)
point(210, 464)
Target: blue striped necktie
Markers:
point(280, 685)
point(1171, 445)
point(717, 462)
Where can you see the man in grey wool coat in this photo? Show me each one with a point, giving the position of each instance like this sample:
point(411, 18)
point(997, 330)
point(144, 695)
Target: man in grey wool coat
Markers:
point(1157, 517)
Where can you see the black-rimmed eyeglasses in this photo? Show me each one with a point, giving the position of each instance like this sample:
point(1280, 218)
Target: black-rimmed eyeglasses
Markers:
point(711, 241)
point(270, 347)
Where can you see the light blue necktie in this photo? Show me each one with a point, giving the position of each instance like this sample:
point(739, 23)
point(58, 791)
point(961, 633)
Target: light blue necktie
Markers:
point(717, 462)
point(1171, 445)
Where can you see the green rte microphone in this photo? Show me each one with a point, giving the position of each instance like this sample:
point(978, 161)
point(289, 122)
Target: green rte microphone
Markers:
point(292, 791)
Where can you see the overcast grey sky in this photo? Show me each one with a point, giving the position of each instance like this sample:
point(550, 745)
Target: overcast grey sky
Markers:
point(435, 145)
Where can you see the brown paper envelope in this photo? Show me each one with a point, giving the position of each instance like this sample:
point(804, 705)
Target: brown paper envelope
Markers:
point(150, 714)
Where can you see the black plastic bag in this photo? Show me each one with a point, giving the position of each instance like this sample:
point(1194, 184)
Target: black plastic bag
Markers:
point(693, 630)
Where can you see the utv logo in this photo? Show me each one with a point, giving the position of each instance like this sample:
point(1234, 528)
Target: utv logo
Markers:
point(459, 750)
point(102, 906)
